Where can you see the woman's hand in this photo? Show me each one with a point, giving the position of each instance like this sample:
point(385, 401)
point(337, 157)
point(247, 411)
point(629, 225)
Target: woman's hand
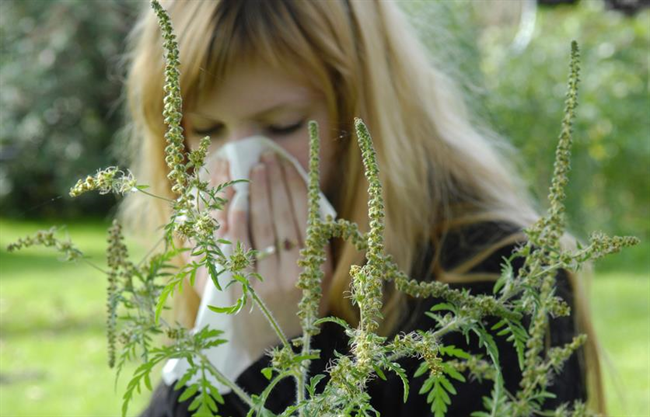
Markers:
point(275, 225)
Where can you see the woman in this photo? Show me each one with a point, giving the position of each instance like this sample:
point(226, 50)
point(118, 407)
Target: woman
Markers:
point(454, 208)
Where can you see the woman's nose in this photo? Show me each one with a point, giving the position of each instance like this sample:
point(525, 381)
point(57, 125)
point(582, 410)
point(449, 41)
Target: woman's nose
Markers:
point(241, 133)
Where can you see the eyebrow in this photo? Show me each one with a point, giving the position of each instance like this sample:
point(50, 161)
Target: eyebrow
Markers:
point(261, 113)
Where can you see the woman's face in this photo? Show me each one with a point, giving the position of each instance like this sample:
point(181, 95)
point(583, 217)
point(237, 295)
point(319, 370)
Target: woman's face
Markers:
point(259, 100)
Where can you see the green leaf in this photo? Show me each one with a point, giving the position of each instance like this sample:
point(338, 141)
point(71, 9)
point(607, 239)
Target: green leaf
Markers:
point(233, 309)
point(161, 302)
point(257, 276)
point(213, 343)
point(397, 368)
point(379, 372)
point(190, 391)
point(488, 343)
point(517, 334)
point(184, 379)
point(426, 387)
point(267, 372)
point(195, 404)
point(452, 350)
point(499, 324)
point(506, 275)
point(147, 381)
point(422, 369)
point(452, 372)
point(443, 306)
point(439, 399)
point(336, 320)
point(239, 277)
point(313, 382)
point(216, 394)
point(214, 275)
point(445, 383)
point(300, 358)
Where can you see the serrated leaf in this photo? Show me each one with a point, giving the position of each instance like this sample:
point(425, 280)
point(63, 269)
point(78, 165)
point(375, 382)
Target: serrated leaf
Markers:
point(488, 343)
point(397, 368)
point(313, 382)
point(452, 350)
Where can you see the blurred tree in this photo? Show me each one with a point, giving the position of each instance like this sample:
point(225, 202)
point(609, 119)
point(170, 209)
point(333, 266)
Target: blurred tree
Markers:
point(519, 92)
point(60, 101)
point(610, 180)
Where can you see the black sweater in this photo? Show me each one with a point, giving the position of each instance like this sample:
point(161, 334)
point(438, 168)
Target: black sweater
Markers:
point(387, 396)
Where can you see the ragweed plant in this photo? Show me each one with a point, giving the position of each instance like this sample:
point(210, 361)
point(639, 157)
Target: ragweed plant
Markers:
point(137, 293)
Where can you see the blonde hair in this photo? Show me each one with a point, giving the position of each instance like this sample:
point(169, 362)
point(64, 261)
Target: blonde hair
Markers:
point(438, 171)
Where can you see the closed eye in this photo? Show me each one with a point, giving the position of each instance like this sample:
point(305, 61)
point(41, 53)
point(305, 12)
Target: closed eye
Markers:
point(285, 130)
point(211, 131)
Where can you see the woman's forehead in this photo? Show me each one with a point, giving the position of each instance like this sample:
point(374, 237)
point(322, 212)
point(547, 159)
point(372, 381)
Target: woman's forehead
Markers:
point(255, 88)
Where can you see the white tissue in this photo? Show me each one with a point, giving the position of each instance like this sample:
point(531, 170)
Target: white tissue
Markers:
point(229, 358)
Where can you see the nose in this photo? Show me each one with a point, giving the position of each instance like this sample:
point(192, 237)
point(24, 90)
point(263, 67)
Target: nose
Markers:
point(241, 132)
point(233, 135)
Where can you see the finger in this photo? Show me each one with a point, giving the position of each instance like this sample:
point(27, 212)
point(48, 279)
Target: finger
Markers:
point(262, 230)
point(298, 192)
point(285, 225)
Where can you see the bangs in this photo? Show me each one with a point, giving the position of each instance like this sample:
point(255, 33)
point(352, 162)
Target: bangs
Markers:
point(252, 32)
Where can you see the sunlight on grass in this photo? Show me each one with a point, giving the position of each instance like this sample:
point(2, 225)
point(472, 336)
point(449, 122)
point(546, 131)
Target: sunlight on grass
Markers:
point(621, 307)
point(53, 359)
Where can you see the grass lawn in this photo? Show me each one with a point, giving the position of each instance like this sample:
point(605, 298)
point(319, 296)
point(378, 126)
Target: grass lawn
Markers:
point(53, 348)
point(621, 308)
point(53, 359)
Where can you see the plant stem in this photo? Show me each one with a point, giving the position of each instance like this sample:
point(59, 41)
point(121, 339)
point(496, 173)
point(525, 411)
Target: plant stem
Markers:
point(224, 380)
point(269, 317)
point(94, 266)
point(155, 196)
point(301, 377)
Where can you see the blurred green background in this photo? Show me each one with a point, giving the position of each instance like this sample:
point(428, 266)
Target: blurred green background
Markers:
point(60, 113)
